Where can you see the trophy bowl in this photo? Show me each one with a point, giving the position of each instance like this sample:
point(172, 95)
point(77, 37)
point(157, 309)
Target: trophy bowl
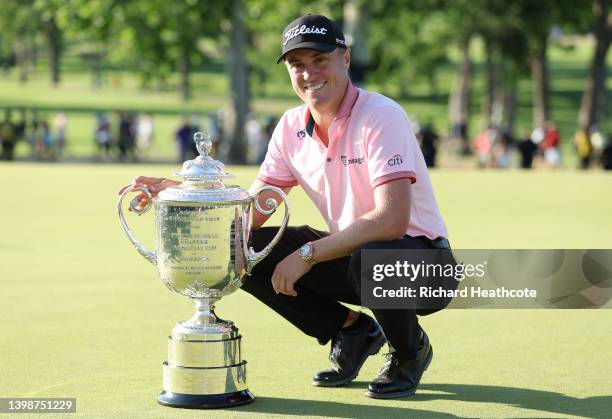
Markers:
point(202, 235)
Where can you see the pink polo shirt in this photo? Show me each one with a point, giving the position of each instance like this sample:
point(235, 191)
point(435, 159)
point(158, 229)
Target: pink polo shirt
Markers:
point(370, 143)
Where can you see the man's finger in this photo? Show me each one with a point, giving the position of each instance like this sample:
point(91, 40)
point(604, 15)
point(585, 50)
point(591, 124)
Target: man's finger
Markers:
point(291, 290)
point(287, 287)
point(274, 284)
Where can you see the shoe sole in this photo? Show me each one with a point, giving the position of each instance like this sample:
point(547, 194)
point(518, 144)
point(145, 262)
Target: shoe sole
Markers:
point(399, 394)
point(373, 349)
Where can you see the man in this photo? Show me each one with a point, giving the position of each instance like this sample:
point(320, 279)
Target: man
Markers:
point(355, 156)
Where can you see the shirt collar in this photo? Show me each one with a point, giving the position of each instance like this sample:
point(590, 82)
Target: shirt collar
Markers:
point(348, 101)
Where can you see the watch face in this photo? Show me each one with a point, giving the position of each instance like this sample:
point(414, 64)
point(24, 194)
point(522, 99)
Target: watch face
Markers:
point(305, 250)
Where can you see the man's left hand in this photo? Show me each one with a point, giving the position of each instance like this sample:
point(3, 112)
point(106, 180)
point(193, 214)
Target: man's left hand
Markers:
point(287, 273)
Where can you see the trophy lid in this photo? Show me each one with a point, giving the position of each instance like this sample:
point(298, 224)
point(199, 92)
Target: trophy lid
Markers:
point(203, 179)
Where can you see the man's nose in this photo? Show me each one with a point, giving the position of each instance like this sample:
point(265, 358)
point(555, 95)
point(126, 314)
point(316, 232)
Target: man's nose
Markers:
point(310, 71)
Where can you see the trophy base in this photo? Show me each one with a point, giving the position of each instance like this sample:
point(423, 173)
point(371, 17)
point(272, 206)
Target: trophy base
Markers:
point(208, 401)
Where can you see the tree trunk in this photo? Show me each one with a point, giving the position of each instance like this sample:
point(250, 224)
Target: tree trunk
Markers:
point(54, 42)
point(459, 100)
point(233, 149)
point(185, 71)
point(21, 57)
point(539, 76)
point(486, 105)
point(356, 14)
point(509, 106)
point(499, 93)
point(592, 107)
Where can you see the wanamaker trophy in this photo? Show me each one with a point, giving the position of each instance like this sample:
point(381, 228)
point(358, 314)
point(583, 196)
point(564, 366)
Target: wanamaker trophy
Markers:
point(202, 252)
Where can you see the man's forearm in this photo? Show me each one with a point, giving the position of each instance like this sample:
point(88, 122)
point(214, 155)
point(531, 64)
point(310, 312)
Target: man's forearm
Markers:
point(388, 220)
point(371, 227)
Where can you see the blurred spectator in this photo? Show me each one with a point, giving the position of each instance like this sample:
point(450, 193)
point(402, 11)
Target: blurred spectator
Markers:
point(196, 126)
point(528, 150)
point(429, 144)
point(32, 129)
point(60, 123)
point(582, 142)
point(102, 134)
point(45, 141)
point(550, 145)
point(144, 133)
point(8, 136)
point(253, 132)
point(483, 145)
point(185, 142)
point(269, 127)
point(597, 143)
point(126, 136)
point(501, 150)
point(214, 130)
point(537, 135)
point(20, 127)
point(606, 155)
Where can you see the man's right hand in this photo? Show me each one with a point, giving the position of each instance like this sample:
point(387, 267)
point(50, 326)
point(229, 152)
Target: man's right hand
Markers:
point(154, 184)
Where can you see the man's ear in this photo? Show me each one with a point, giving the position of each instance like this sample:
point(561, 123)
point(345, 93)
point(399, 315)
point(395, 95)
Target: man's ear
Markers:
point(347, 58)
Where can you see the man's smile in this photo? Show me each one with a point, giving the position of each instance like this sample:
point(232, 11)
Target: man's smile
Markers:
point(314, 87)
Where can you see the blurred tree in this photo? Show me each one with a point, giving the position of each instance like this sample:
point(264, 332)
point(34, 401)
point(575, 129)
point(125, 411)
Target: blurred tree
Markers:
point(22, 21)
point(356, 15)
point(95, 23)
point(154, 37)
point(593, 104)
point(233, 145)
point(164, 36)
point(407, 42)
point(535, 20)
point(19, 27)
point(461, 25)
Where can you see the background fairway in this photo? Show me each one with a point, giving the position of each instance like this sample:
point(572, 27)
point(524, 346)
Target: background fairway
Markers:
point(83, 315)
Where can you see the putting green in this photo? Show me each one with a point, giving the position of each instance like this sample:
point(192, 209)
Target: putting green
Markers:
point(83, 315)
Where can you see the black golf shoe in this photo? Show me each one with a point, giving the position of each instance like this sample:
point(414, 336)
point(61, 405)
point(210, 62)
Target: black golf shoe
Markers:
point(399, 378)
point(349, 350)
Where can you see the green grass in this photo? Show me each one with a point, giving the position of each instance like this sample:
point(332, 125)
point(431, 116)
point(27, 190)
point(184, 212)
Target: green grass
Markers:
point(83, 315)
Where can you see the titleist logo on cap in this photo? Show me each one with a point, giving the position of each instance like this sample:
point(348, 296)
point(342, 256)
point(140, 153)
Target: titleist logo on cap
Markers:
point(299, 30)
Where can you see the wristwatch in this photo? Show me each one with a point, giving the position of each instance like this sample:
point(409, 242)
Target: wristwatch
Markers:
point(306, 253)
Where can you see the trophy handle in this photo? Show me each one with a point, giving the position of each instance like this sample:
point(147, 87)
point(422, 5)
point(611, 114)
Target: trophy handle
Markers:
point(148, 255)
point(253, 258)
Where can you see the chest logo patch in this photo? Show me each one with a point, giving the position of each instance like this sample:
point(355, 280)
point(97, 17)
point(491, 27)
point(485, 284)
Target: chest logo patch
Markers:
point(301, 134)
point(346, 161)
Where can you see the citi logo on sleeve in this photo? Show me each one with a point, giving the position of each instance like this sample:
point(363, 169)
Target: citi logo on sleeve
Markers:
point(395, 160)
point(346, 161)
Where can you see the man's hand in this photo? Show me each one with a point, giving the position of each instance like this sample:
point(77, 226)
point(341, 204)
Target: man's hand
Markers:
point(287, 273)
point(154, 184)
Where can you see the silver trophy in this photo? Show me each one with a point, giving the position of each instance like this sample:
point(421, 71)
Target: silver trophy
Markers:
point(203, 229)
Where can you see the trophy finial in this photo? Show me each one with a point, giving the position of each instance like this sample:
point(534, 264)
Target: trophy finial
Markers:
point(203, 143)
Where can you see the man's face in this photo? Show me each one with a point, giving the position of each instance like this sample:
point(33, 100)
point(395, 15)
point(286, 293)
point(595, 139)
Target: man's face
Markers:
point(319, 78)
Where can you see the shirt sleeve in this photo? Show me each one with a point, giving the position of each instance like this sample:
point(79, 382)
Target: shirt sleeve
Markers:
point(275, 170)
point(390, 146)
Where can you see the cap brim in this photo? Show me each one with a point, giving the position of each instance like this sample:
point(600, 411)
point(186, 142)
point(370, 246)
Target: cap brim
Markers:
point(308, 45)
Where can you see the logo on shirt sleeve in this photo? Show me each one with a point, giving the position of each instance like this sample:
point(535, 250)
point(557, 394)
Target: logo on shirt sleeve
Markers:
point(395, 160)
point(301, 134)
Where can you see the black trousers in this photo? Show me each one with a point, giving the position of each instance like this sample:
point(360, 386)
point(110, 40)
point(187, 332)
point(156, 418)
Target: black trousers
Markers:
point(316, 310)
